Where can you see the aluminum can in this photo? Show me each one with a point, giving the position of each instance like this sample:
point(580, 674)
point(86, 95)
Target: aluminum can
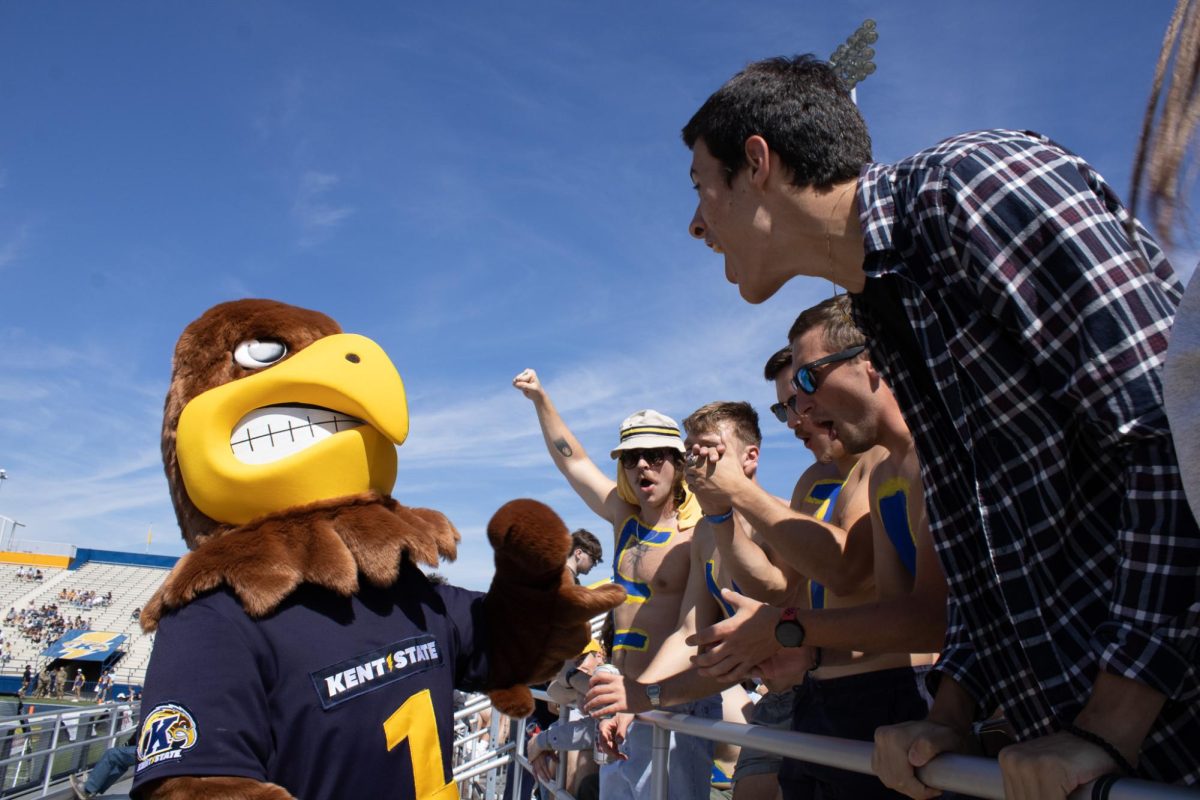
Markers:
point(598, 755)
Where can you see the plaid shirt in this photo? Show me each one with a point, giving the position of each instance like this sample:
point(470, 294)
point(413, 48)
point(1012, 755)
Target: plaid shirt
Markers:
point(1024, 338)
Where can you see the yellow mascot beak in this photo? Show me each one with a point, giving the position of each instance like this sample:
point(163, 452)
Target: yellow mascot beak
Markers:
point(319, 425)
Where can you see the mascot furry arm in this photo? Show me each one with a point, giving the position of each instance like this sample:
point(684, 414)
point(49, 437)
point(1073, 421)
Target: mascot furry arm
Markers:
point(298, 637)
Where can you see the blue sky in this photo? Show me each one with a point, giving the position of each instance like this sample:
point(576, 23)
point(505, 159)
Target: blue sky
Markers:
point(479, 187)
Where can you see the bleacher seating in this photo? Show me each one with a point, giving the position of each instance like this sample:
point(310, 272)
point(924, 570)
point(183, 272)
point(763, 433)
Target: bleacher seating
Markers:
point(131, 588)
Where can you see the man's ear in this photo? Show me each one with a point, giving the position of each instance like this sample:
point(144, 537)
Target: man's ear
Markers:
point(872, 373)
point(750, 456)
point(758, 160)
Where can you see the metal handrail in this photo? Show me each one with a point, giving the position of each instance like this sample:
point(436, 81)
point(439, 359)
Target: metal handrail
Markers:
point(40, 761)
point(979, 777)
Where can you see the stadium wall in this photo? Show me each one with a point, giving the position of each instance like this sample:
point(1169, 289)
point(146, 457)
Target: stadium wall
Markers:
point(85, 554)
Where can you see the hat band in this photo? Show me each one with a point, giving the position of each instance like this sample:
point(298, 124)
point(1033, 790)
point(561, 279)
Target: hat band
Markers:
point(625, 434)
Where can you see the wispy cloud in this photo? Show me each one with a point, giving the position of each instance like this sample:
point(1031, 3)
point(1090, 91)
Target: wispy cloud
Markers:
point(80, 442)
point(317, 215)
point(13, 246)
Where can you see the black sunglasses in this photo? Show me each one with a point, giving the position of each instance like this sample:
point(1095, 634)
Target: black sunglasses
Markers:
point(780, 409)
point(805, 379)
point(630, 458)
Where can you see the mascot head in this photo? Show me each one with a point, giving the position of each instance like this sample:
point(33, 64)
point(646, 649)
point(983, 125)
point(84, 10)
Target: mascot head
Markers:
point(272, 407)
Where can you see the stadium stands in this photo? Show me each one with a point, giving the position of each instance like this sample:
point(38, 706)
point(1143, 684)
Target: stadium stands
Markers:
point(131, 587)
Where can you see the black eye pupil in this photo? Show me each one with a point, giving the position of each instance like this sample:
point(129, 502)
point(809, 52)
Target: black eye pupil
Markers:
point(353, 358)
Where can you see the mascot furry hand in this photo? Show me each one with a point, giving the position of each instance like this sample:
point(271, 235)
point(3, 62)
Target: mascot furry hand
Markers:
point(300, 652)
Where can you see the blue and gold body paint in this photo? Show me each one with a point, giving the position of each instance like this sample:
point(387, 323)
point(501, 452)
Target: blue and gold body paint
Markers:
point(631, 639)
point(710, 580)
point(720, 779)
point(633, 533)
point(824, 494)
point(892, 501)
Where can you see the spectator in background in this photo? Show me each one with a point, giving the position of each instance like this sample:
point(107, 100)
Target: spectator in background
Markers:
point(577, 733)
point(108, 770)
point(103, 685)
point(586, 553)
point(77, 686)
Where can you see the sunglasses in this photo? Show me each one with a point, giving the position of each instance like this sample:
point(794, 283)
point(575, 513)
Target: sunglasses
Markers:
point(631, 458)
point(805, 379)
point(780, 409)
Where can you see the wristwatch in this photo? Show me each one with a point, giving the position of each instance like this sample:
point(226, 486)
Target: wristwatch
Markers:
point(788, 631)
point(654, 693)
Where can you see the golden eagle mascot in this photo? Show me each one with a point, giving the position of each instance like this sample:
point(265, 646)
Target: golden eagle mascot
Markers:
point(300, 652)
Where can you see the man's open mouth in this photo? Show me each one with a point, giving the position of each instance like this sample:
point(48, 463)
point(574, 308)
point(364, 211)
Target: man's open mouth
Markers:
point(274, 432)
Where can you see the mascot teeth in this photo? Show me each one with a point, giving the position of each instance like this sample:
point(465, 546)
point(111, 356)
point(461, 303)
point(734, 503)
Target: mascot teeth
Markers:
point(269, 434)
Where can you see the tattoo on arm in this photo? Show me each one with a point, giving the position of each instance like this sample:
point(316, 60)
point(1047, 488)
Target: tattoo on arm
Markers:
point(561, 446)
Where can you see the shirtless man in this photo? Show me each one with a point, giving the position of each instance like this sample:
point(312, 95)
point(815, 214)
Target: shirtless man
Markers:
point(671, 678)
point(729, 553)
point(653, 514)
point(898, 619)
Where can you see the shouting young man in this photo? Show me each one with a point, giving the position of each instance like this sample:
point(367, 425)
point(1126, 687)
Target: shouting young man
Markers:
point(1023, 333)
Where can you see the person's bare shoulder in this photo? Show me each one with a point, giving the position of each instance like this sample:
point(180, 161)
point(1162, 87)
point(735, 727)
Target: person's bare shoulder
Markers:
point(802, 496)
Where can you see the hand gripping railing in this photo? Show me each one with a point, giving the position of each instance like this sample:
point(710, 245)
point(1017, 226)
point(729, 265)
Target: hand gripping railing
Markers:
point(978, 777)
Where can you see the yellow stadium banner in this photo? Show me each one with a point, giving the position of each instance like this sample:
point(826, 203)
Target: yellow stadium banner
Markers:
point(35, 559)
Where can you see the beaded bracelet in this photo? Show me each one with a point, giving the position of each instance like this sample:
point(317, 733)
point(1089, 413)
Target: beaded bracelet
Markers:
point(1103, 744)
point(717, 519)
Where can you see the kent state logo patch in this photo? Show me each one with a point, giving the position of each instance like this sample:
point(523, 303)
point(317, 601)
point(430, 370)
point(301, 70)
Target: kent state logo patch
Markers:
point(364, 673)
point(168, 730)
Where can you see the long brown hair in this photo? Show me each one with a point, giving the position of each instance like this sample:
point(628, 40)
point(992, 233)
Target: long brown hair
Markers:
point(1167, 131)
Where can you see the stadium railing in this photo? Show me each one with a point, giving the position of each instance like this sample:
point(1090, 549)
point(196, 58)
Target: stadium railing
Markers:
point(39, 750)
point(973, 776)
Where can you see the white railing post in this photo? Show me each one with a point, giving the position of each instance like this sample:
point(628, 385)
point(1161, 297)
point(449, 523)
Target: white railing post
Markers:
point(560, 775)
point(519, 757)
point(50, 754)
point(495, 744)
point(659, 763)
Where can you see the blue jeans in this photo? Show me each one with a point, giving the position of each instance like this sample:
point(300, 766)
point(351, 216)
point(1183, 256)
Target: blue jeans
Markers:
point(689, 766)
point(110, 768)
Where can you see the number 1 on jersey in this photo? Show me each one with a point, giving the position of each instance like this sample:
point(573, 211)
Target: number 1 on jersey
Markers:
point(415, 721)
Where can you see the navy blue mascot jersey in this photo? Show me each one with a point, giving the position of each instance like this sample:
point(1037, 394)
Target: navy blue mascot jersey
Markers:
point(328, 696)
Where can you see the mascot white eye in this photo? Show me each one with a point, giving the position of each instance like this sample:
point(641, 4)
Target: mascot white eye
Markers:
point(253, 354)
